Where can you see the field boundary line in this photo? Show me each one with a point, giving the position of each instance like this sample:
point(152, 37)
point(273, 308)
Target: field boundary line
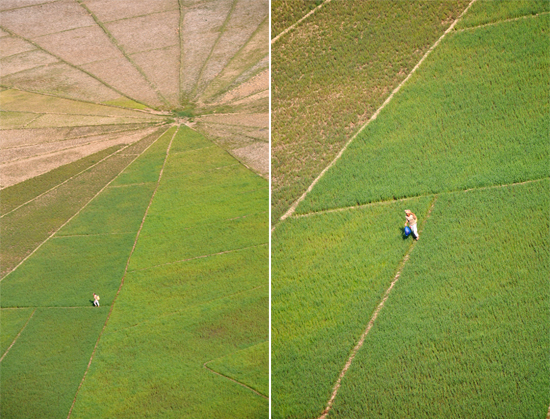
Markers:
point(193, 93)
point(293, 207)
point(21, 331)
point(125, 270)
point(32, 120)
point(513, 19)
point(81, 114)
point(232, 379)
point(114, 41)
point(63, 236)
point(392, 201)
point(78, 212)
point(291, 27)
point(223, 90)
point(148, 111)
point(126, 185)
point(78, 137)
point(73, 66)
point(199, 257)
point(79, 173)
point(31, 5)
point(374, 316)
point(60, 150)
point(173, 313)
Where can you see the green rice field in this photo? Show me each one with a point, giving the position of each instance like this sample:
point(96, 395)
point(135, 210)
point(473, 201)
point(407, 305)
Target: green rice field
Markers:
point(199, 296)
point(463, 332)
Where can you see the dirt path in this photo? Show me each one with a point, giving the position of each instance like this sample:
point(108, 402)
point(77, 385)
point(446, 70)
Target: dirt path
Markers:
point(375, 115)
point(373, 318)
point(291, 27)
point(126, 267)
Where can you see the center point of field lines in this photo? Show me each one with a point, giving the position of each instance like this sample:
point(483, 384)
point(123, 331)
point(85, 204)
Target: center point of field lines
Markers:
point(373, 319)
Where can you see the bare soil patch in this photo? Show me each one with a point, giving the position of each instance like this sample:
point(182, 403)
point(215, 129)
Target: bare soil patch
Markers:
point(80, 46)
point(25, 61)
point(247, 15)
point(14, 4)
point(40, 20)
point(11, 45)
point(200, 30)
point(15, 172)
point(109, 10)
point(62, 80)
point(256, 156)
point(248, 120)
point(123, 76)
point(162, 67)
point(146, 32)
point(256, 84)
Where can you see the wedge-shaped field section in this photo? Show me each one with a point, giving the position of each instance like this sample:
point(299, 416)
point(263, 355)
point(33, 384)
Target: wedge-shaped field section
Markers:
point(195, 293)
point(465, 332)
point(83, 233)
point(475, 114)
point(329, 273)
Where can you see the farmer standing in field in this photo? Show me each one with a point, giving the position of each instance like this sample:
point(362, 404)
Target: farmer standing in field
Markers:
point(96, 300)
point(411, 221)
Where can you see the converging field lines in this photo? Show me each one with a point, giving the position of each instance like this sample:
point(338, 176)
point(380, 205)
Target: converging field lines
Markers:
point(19, 334)
point(125, 269)
point(373, 318)
point(74, 215)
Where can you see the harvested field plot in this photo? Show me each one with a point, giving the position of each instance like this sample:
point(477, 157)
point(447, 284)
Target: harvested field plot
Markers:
point(97, 164)
point(368, 323)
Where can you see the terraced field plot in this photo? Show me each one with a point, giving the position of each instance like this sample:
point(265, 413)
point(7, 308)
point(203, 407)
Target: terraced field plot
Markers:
point(105, 189)
point(366, 323)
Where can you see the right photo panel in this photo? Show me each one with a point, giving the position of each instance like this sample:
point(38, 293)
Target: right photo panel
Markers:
point(410, 197)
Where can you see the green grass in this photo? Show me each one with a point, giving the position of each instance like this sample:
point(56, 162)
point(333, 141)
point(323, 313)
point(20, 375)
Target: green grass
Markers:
point(464, 333)
point(43, 369)
point(23, 230)
point(117, 210)
point(20, 193)
point(483, 12)
point(147, 167)
point(156, 369)
point(332, 73)
point(285, 13)
point(170, 320)
point(248, 366)
point(328, 274)
point(475, 114)
point(67, 270)
point(11, 323)
point(193, 140)
point(13, 120)
point(125, 103)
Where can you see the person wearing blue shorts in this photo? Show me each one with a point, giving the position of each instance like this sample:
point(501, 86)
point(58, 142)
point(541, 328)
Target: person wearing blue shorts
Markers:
point(411, 221)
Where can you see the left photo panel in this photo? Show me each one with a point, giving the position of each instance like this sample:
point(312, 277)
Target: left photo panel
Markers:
point(134, 208)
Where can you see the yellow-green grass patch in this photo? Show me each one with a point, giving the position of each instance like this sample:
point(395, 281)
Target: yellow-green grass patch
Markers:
point(42, 371)
point(146, 168)
point(329, 272)
point(12, 322)
point(114, 211)
point(157, 368)
point(20, 193)
point(187, 139)
point(475, 114)
point(485, 12)
point(465, 331)
point(249, 366)
point(169, 289)
point(66, 271)
point(9, 120)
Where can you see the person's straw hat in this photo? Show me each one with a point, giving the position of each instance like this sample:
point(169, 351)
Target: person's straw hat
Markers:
point(407, 211)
